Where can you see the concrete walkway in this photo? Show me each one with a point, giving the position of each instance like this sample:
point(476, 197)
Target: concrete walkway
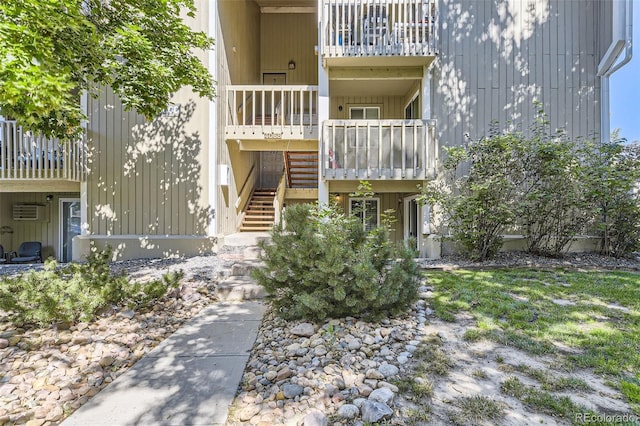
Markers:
point(191, 378)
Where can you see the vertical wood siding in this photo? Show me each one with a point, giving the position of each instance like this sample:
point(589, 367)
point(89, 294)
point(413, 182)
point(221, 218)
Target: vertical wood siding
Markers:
point(239, 39)
point(286, 37)
point(149, 178)
point(239, 27)
point(391, 107)
point(497, 57)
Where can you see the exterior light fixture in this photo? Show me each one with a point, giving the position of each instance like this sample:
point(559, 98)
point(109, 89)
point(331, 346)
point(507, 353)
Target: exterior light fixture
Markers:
point(292, 64)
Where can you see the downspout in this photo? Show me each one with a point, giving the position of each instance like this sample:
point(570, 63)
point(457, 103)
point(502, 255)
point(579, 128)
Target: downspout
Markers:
point(608, 66)
point(212, 229)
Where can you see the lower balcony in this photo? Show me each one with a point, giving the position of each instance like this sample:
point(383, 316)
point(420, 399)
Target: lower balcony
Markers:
point(29, 160)
point(378, 149)
point(272, 114)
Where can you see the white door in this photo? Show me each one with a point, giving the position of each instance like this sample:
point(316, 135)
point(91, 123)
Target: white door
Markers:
point(412, 220)
point(69, 226)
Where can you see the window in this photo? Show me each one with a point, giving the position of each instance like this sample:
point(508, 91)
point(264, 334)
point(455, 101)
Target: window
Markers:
point(412, 110)
point(364, 113)
point(367, 210)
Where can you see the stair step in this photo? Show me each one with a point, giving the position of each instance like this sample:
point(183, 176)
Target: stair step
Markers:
point(239, 288)
point(255, 229)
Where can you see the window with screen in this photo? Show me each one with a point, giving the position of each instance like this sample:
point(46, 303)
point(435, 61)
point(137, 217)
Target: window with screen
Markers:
point(367, 210)
point(364, 113)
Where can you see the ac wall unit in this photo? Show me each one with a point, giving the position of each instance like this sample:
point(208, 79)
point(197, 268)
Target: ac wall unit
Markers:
point(35, 212)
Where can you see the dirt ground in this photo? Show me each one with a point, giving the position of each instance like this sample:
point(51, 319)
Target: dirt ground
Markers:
point(479, 368)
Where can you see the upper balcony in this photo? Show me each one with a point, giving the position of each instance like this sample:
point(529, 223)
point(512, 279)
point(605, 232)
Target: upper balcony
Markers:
point(379, 29)
point(272, 117)
point(30, 161)
point(378, 149)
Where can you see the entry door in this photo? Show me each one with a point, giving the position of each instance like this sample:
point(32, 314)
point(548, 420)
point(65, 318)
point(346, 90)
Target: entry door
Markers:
point(69, 226)
point(271, 168)
point(412, 219)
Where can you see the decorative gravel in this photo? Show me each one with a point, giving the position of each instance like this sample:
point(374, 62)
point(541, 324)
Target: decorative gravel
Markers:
point(522, 259)
point(341, 370)
point(47, 373)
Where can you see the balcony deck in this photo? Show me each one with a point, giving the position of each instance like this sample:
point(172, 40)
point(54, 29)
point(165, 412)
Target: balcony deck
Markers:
point(379, 28)
point(378, 149)
point(275, 114)
point(30, 161)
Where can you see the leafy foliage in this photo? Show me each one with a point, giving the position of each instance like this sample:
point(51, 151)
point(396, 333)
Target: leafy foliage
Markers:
point(547, 186)
point(52, 49)
point(76, 292)
point(479, 204)
point(613, 171)
point(323, 264)
point(553, 205)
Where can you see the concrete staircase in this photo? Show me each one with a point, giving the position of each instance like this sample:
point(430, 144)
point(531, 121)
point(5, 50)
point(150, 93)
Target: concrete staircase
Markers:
point(240, 256)
point(260, 213)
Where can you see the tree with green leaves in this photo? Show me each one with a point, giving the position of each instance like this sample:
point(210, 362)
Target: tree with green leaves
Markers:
point(51, 50)
point(613, 183)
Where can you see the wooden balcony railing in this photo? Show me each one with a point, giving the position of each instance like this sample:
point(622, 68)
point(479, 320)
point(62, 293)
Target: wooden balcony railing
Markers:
point(272, 112)
point(25, 155)
point(378, 149)
point(379, 27)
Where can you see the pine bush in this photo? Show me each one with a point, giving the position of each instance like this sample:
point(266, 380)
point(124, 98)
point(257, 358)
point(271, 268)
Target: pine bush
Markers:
point(76, 291)
point(322, 264)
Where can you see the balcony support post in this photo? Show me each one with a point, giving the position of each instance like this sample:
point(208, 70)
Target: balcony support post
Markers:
point(323, 112)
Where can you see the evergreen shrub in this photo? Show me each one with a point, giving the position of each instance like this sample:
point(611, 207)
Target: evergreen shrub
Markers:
point(76, 291)
point(323, 264)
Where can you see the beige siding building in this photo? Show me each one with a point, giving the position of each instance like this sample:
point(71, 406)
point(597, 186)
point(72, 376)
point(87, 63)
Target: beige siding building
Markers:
point(313, 96)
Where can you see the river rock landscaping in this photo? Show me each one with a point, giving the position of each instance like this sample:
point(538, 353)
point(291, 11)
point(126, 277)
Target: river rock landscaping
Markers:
point(47, 373)
point(413, 369)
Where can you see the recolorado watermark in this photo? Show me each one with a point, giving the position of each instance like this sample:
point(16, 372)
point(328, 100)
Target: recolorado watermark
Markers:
point(606, 418)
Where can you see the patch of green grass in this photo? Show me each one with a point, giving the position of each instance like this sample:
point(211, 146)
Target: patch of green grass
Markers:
point(431, 359)
point(475, 410)
point(479, 374)
point(549, 382)
point(631, 390)
point(540, 400)
point(416, 416)
point(418, 387)
point(472, 335)
point(525, 309)
point(435, 362)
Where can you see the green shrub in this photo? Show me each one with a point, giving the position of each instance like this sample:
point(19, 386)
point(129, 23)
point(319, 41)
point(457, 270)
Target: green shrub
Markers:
point(76, 291)
point(553, 203)
point(614, 178)
point(323, 264)
point(479, 191)
point(544, 185)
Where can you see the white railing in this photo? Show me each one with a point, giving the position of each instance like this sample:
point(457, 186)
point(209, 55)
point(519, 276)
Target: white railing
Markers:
point(271, 111)
point(378, 149)
point(379, 27)
point(28, 155)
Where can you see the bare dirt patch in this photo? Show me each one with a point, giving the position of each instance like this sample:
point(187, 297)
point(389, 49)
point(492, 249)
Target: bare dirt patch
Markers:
point(480, 368)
